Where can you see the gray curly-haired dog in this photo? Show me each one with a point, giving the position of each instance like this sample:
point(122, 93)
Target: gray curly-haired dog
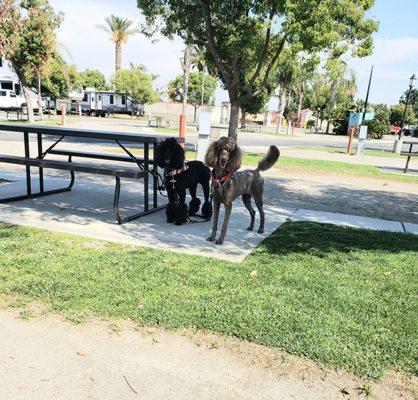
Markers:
point(225, 157)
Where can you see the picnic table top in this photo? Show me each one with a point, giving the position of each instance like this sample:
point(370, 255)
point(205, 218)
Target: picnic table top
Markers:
point(410, 142)
point(86, 133)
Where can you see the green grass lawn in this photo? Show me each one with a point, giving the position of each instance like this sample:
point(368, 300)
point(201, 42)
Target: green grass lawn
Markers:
point(342, 150)
point(331, 167)
point(340, 296)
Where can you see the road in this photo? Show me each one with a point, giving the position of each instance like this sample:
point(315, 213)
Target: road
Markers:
point(246, 139)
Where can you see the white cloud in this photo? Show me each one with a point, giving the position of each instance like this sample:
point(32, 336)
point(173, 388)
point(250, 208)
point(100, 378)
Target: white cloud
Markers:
point(392, 58)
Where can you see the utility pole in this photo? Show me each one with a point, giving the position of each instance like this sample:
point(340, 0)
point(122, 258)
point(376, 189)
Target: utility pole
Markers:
point(367, 95)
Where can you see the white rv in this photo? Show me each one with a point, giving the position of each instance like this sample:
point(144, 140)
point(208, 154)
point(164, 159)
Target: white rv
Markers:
point(103, 102)
point(11, 95)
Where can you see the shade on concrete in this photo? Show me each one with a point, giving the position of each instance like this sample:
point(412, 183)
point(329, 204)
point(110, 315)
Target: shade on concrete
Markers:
point(87, 211)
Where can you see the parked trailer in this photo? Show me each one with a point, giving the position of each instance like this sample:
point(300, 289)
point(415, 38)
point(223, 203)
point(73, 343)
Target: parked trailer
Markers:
point(101, 103)
point(11, 95)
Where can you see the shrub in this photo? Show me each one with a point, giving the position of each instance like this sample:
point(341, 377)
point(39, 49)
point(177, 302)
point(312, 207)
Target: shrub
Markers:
point(376, 129)
point(310, 124)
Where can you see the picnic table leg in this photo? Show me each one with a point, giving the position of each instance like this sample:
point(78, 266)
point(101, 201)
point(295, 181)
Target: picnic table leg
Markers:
point(27, 155)
point(155, 178)
point(407, 163)
point(41, 170)
point(146, 169)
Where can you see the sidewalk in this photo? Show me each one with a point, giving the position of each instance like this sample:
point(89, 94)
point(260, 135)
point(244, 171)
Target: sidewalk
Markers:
point(384, 162)
point(80, 212)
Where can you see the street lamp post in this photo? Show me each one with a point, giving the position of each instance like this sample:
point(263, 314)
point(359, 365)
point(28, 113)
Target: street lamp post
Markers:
point(367, 95)
point(412, 80)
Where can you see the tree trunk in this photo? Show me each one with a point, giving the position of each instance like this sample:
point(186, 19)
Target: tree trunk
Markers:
point(282, 105)
point(26, 93)
point(299, 109)
point(328, 123)
point(195, 114)
point(233, 120)
point(185, 63)
point(39, 96)
point(118, 56)
point(243, 118)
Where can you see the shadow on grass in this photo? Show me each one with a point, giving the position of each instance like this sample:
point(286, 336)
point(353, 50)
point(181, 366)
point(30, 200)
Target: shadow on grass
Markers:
point(321, 239)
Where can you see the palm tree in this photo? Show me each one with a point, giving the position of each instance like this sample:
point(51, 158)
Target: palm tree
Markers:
point(198, 59)
point(119, 29)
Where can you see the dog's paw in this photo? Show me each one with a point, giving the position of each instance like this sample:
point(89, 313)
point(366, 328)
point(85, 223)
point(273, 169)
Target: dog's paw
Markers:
point(170, 220)
point(219, 241)
point(260, 230)
point(211, 238)
point(250, 228)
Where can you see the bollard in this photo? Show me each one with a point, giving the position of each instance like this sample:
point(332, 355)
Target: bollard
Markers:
point(182, 127)
point(351, 131)
point(362, 136)
point(62, 114)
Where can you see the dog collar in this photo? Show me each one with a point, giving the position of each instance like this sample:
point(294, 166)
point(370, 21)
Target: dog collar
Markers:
point(221, 181)
point(185, 167)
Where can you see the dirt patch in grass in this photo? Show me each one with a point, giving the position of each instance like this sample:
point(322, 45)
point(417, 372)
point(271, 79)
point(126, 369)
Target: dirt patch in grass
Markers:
point(187, 347)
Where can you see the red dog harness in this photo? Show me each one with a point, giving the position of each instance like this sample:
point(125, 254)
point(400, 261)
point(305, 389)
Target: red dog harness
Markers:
point(185, 167)
point(220, 182)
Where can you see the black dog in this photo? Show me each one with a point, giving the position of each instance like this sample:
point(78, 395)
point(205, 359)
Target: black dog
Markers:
point(180, 176)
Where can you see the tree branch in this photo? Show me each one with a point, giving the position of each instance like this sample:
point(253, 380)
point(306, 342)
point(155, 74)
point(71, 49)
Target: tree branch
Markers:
point(250, 93)
point(212, 45)
point(265, 48)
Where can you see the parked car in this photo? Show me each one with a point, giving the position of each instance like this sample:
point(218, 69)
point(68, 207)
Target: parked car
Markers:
point(394, 129)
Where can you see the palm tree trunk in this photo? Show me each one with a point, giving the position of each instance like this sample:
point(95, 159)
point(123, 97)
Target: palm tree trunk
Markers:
point(118, 56)
point(280, 111)
point(195, 113)
point(185, 63)
point(299, 109)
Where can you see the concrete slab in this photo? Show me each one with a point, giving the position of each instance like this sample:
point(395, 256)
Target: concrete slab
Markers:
point(87, 211)
point(411, 228)
point(354, 221)
point(399, 170)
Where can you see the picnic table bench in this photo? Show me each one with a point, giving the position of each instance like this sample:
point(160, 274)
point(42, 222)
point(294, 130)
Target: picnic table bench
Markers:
point(142, 168)
point(410, 153)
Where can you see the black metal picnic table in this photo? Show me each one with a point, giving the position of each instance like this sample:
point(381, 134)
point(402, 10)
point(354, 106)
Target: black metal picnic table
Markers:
point(122, 139)
point(409, 153)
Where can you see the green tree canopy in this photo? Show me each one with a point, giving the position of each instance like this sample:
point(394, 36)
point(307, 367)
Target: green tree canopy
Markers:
point(379, 125)
point(59, 79)
point(27, 39)
point(198, 82)
point(244, 40)
point(413, 100)
point(136, 83)
point(93, 78)
point(396, 113)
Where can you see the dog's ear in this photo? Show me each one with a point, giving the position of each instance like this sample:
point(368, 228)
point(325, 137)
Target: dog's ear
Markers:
point(211, 157)
point(235, 159)
point(159, 154)
point(177, 156)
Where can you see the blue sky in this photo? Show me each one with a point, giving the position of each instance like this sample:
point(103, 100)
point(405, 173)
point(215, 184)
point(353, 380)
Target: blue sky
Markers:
point(395, 56)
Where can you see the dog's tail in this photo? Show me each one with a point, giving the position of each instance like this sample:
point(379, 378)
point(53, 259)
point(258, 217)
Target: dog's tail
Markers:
point(269, 159)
